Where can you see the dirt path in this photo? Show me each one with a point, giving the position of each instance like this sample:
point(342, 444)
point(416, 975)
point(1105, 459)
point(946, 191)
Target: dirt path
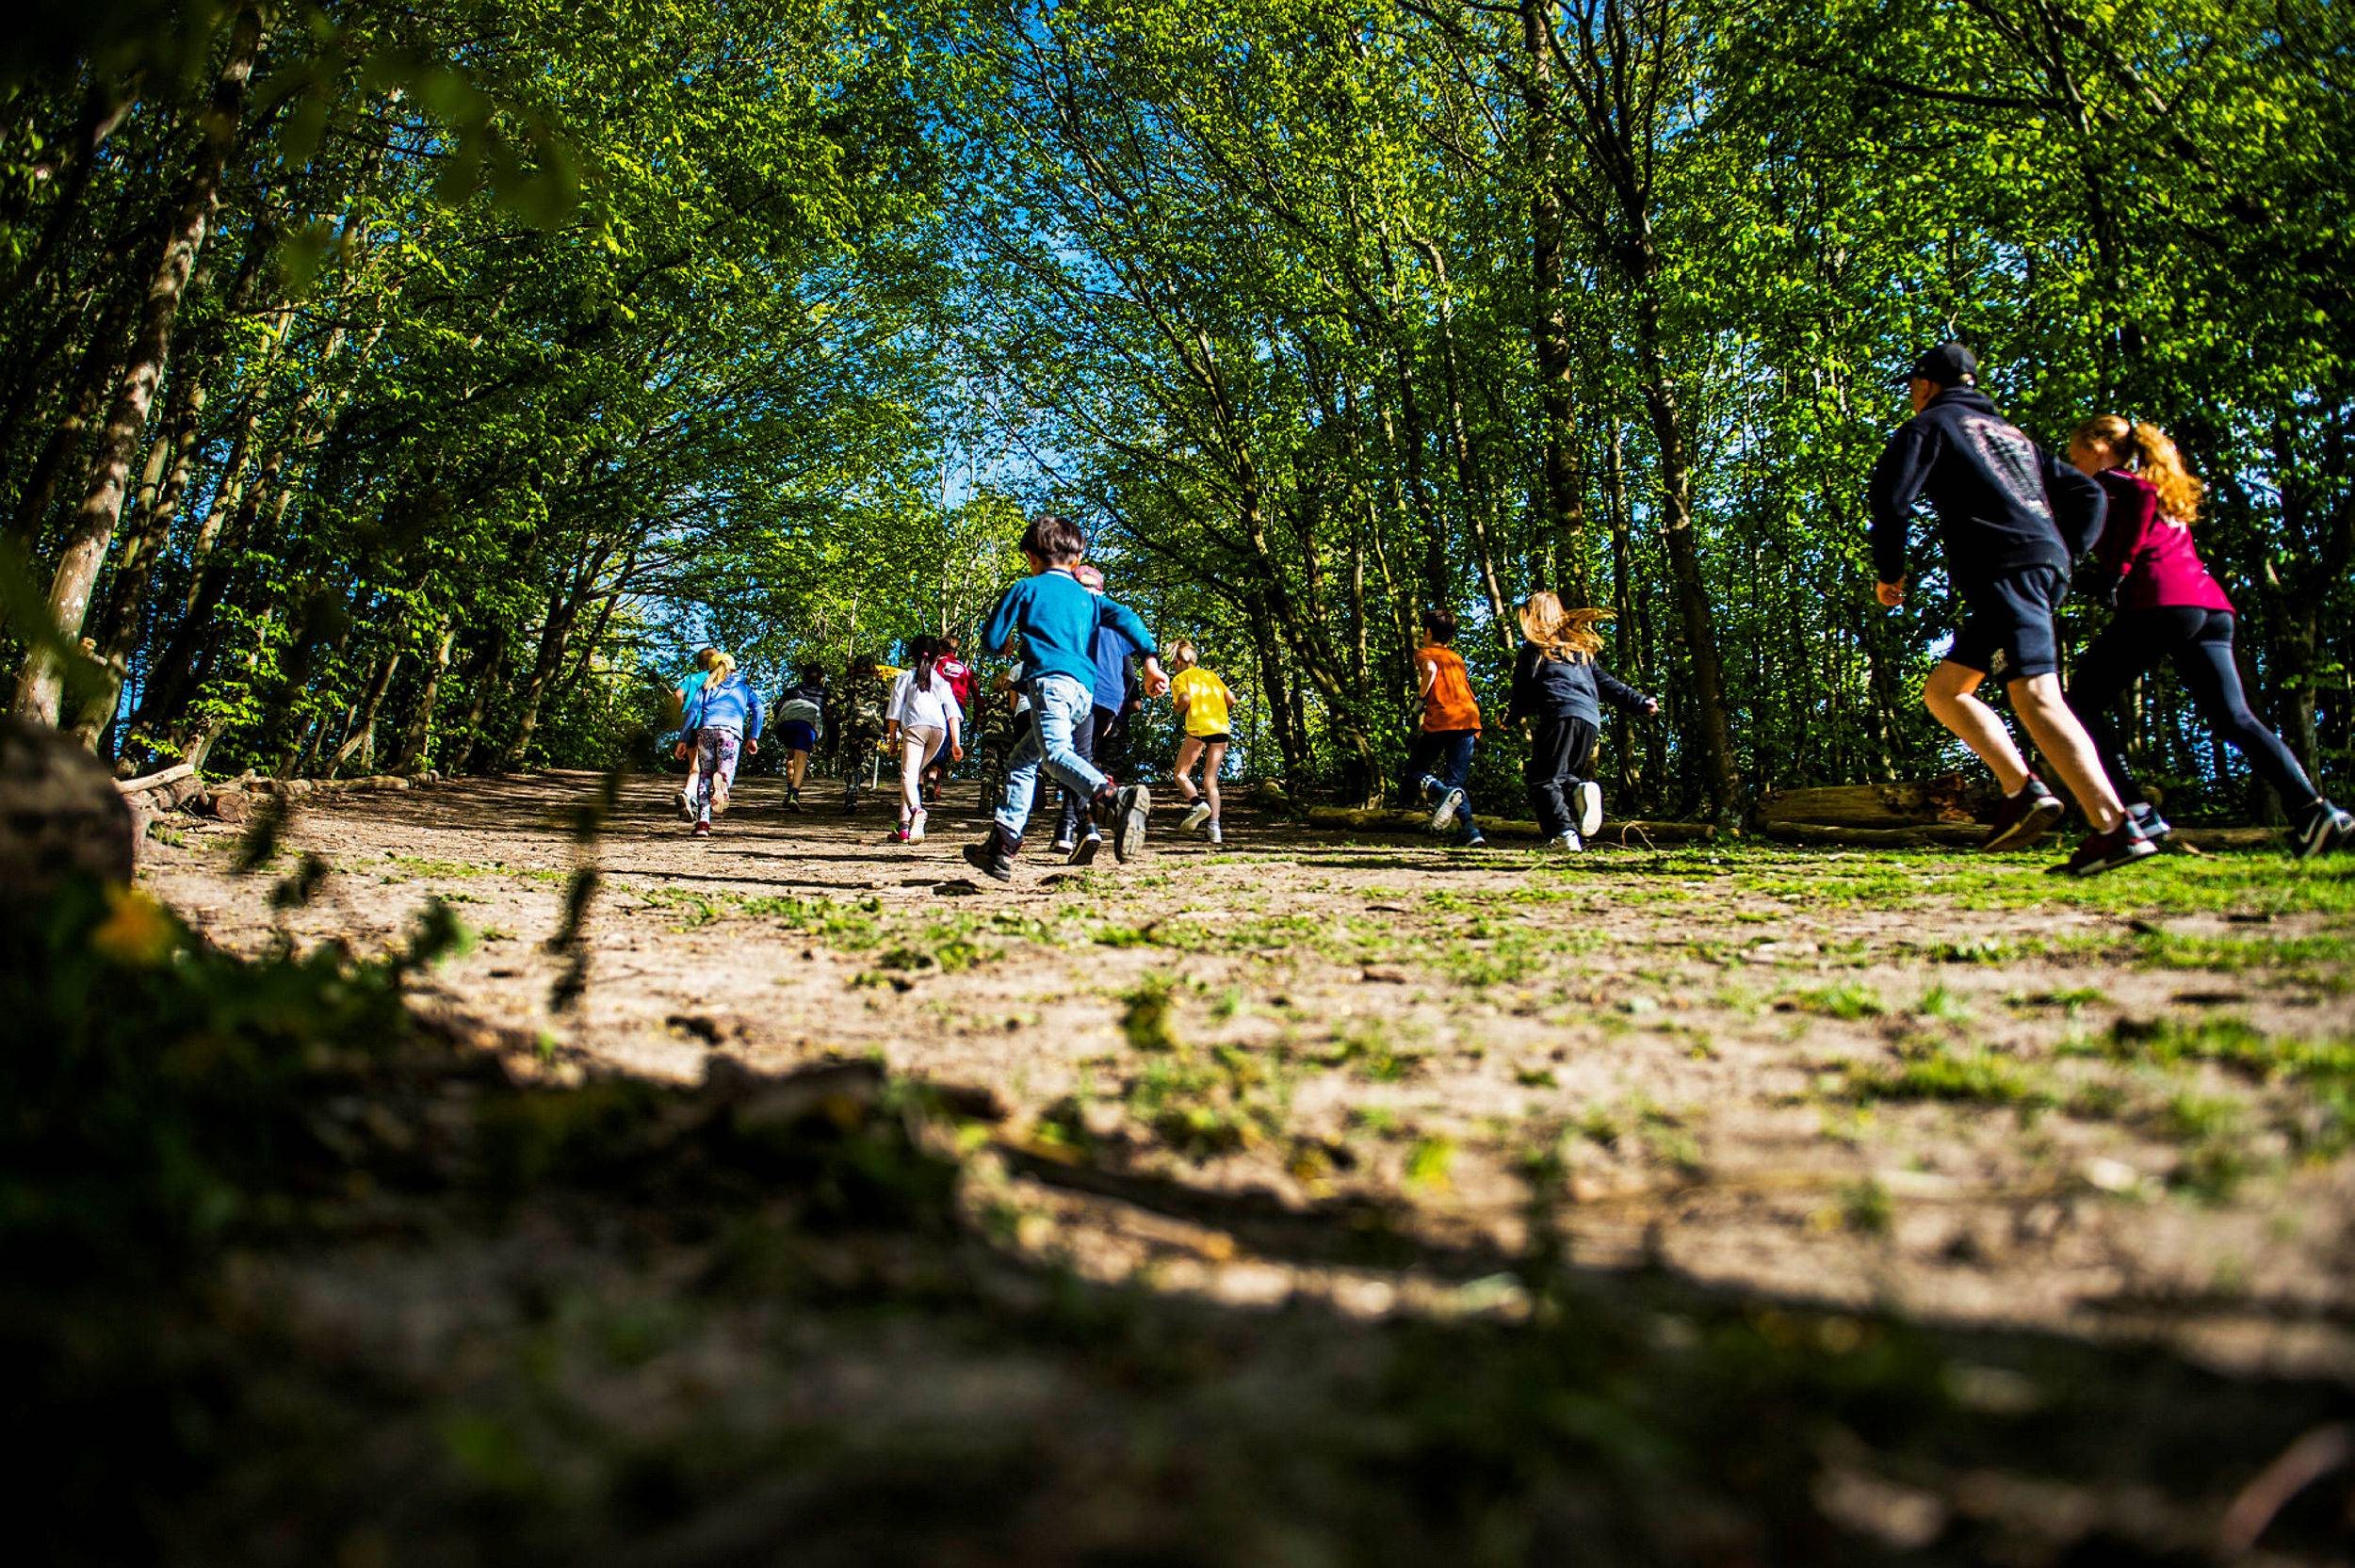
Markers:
point(1946, 1085)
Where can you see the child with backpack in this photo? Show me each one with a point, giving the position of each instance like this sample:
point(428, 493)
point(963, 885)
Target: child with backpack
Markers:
point(1057, 619)
point(723, 719)
point(923, 717)
point(801, 719)
point(1203, 704)
point(1440, 760)
point(1559, 689)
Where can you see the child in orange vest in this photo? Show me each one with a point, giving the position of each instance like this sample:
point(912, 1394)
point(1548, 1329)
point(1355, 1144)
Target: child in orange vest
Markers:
point(1440, 761)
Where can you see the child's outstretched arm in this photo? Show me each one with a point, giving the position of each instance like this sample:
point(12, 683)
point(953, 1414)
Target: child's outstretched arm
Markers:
point(1622, 696)
point(997, 631)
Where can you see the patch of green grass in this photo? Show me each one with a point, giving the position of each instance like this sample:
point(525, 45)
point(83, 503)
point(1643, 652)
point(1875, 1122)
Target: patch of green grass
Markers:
point(1148, 1015)
point(1975, 1078)
point(1428, 1162)
point(1850, 999)
point(1865, 1208)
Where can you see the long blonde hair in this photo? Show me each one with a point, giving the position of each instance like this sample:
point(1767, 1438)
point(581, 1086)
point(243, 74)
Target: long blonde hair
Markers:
point(2148, 450)
point(1559, 633)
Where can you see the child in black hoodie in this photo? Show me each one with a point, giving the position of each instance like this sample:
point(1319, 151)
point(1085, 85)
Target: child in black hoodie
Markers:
point(1560, 689)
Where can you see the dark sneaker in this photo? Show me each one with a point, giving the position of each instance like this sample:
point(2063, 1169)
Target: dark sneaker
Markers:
point(702, 830)
point(2100, 852)
point(1589, 808)
point(2155, 827)
point(2324, 829)
point(850, 806)
point(1083, 852)
point(1131, 806)
point(2024, 818)
point(793, 800)
point(991, 857)
point(1443, 818)
point(1061, 845)
point(1476, 842)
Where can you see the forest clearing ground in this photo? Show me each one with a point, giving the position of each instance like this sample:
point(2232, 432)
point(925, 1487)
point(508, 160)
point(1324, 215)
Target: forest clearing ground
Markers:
point(1930, 1082)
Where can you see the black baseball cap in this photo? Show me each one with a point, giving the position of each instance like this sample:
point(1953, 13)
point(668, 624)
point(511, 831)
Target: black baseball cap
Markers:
point(1948, 364)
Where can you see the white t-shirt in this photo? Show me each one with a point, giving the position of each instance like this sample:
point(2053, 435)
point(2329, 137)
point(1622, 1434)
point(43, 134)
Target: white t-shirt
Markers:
point(923, 709)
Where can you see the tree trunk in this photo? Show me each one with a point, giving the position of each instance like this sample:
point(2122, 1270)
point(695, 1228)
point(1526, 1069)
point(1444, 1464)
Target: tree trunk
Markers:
point(362, 738)
point(100, 366)
point(1560, 495)
point(420, 735)
point(484, 680)
point(41, 683)
point(1692, 588)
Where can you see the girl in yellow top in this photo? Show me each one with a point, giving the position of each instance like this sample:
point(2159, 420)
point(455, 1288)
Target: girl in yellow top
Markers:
point(1203, 702)
point(1441, 758)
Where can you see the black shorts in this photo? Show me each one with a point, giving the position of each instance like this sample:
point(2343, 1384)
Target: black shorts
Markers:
point(2008, 629)
point(1219, 739)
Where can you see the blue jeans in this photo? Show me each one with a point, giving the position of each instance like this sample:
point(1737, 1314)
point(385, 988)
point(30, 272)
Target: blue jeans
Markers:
point(1441, 761)
point(1059, 706)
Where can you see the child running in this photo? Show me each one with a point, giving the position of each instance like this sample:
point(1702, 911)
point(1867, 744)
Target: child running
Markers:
point(801, 719)
point(959, 675)
point(1559, 687)
point(723, 717)
point(1441, 758)
point(2168, 608)
point(924, 717)
point(1203, 702)
point(2011, 517)
point(1057, 620)
point(683, 694)
point(1077, 836)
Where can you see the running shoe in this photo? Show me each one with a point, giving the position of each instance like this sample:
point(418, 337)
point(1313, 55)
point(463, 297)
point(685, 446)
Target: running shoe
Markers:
point(1061, 845)
point(793, 800)
point(1568, 843)
point(2157, 829)
point(702, 830)
point(992, 857)
point(1131, 806)
point(685, 806)
point(1476, 842)
point(2100, 852)
point(1083, 852)
point(1212, 833)
point(1195, 816)
point(1589, 809)
point(916, 826)
point(2024, 818)
point(1444, 818)
point(2324, 829)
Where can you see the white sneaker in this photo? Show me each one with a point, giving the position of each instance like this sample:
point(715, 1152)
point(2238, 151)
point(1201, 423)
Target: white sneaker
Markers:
point(1217, 837)
point(1569, 844)
point(685, 806)
point(1589, 808)
point(1449, 803)
point(916, 826)
point(1195, 816)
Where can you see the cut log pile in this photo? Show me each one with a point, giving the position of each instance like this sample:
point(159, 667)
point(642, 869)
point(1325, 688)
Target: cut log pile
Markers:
point(1947, 799)
point(179, 789)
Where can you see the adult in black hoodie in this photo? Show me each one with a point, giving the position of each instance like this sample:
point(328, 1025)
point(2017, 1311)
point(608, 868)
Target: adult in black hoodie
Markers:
point(2011, 517)
point(1560, 690)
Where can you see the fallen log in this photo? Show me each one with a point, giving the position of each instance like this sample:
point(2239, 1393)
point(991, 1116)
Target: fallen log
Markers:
point(1919, 802)
point(168, 790)
point(1386, 820)
point(1925, 835)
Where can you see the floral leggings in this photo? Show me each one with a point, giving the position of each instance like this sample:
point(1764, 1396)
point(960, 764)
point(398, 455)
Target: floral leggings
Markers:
point(716, 752)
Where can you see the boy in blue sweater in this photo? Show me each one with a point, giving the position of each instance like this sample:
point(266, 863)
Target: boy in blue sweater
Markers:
point(1057, 620)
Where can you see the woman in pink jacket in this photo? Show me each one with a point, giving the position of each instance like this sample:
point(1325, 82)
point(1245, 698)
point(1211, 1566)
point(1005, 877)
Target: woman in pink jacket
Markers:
point(2169, 609)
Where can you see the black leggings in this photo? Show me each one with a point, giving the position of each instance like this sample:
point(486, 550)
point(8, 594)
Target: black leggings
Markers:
point(2198, 642)
point(1558, 747)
